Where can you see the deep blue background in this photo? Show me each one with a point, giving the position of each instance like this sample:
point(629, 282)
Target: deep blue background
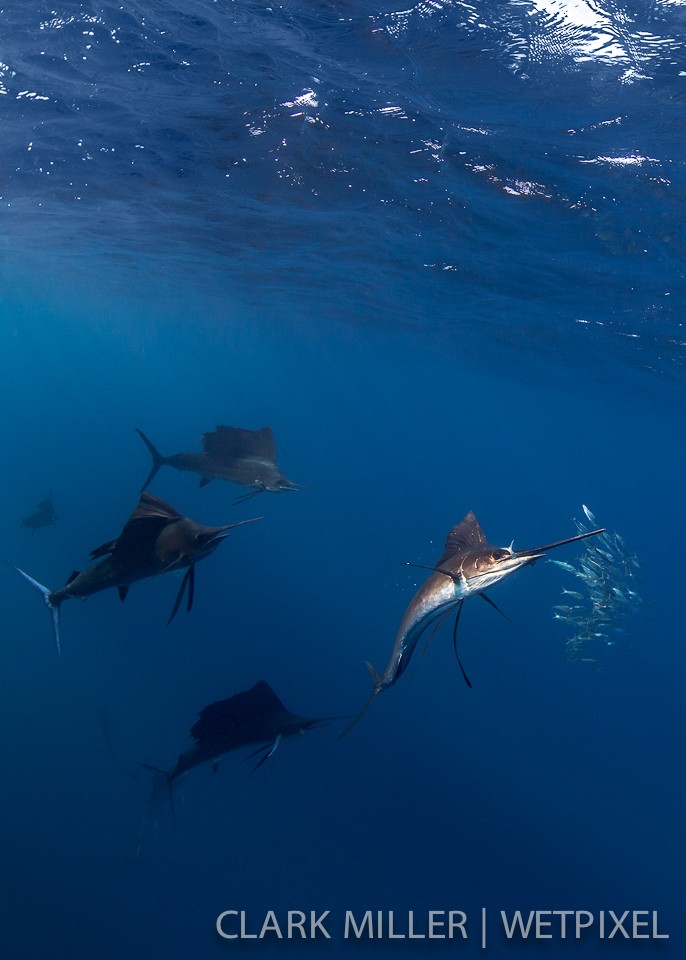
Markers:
point(452, 279)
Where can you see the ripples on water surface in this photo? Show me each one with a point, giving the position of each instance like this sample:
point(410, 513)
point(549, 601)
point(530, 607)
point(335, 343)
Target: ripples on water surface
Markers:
point(486, 170)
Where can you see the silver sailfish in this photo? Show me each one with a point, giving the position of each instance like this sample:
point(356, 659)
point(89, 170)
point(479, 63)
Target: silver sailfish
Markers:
point(469, 565)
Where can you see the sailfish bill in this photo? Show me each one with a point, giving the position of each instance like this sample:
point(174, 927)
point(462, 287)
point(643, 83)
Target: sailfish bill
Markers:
point(468, 566)
point(154, 540)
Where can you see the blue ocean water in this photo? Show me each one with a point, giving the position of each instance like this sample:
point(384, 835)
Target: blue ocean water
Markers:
point(440, 250)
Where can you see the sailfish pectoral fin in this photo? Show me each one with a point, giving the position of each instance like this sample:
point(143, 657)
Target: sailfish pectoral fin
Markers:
point(248, 496)
point(188, 578)
point(439, 625)
point(422, 566)
point(457, 656)
point(270, 749)
point(495, 606)
point(191, 588)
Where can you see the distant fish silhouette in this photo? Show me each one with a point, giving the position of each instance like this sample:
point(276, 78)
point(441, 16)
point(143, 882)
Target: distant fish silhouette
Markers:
point(247, 457)
point(468, 565)
point(44, 516)
point(155, 539)
point(249, 717)
point(254, 716)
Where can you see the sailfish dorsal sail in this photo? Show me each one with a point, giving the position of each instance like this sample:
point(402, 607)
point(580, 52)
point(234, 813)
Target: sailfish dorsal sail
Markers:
point(464, 536)
point(240, 711)
point(226, 444)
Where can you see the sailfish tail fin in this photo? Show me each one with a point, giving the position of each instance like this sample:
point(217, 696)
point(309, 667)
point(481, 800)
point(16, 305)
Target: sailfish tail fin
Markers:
point(52, 605)
point(373, 673)
point(376, 690)
point(160, 795)
point(157, 459)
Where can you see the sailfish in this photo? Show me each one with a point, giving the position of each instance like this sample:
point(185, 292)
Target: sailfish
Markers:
point(468, 566)
point(155, 539)
point(254, 716)
point(44, 516)
point(242, 720)
point(243, 456)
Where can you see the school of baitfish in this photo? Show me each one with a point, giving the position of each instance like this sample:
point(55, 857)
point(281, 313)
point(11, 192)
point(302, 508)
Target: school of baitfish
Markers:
point(157, 539)
point(606, 593)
